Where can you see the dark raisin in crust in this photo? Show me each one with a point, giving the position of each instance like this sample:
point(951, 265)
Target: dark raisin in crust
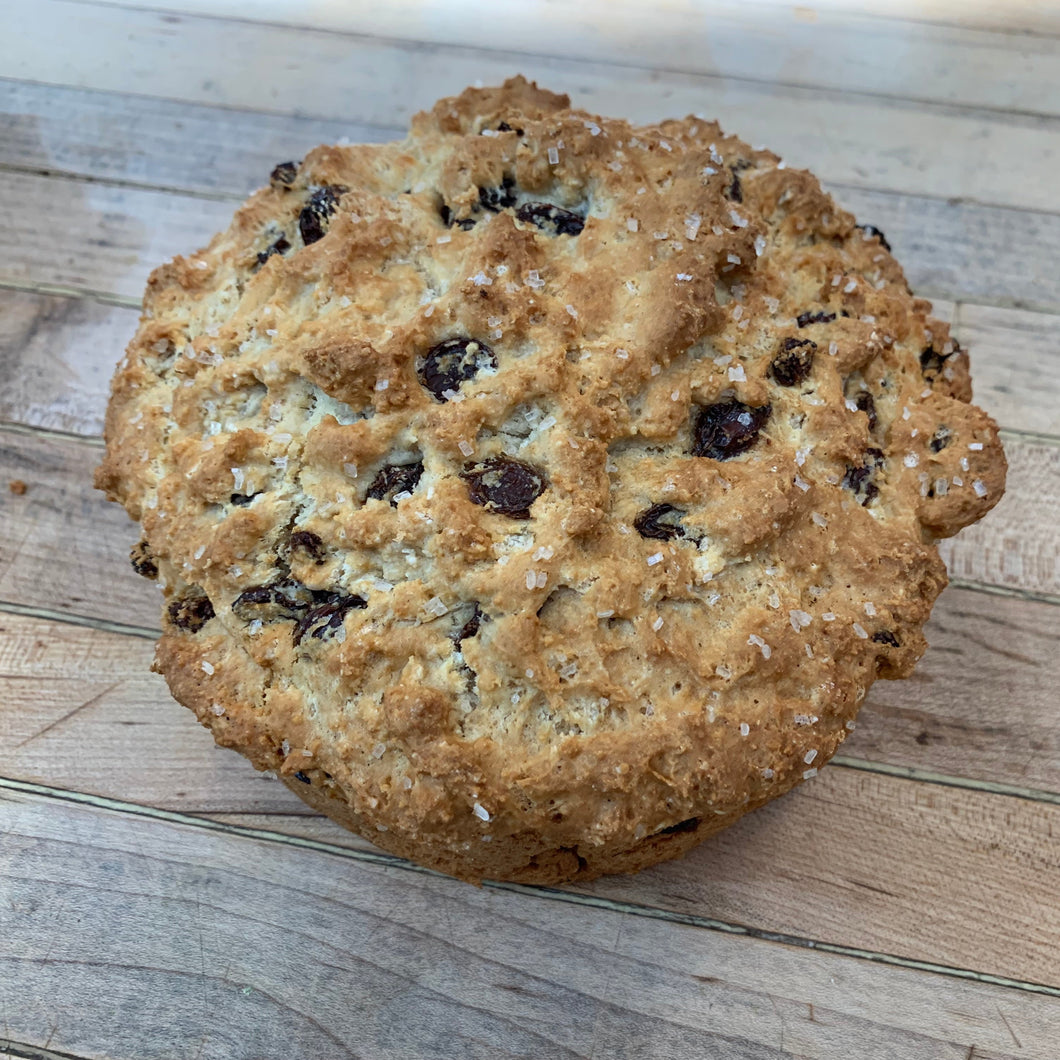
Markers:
point(872, 230)
point(394, 479)
point(794, 362)
point(814, 316)
point(940, 439)
point(284, 175)
point(326, 615)
point(864, 403)
point(885, 636)
point(550, 218)
point(452, 362)
point(281, 246)
point(471, 626)
point(190, 612)
point(503, 485)
point(310, 543)
point(315, 215)
point(932, 361)
point(500, 198)
point(143, 562)
point(727, 429)
point(649, 523)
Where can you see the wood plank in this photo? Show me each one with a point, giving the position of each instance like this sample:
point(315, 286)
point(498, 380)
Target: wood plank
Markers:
point(65, 546)
point(949, 248)
point(862, 141)
point(83, 711)
point(823, 46)
point(96, 237)
point(854, 858)
point(965, 251)
point(223, 939)
point(56, 358)
point(1015, 357)
point(1018, 544)
point(157, 142)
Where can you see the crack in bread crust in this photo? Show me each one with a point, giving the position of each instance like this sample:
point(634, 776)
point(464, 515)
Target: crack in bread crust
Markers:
point(540, 493)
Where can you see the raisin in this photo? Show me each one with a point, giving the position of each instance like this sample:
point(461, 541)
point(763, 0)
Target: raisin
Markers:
point(940, 439)
point(501, 484)
point(932, 361)
point(885, 636)
point(326, 615)
point(281, 599)
point(466, 223)
point(727, 429)
point(283, 176)
point(734, 191)
point(859, 479)
point(497, 199)
point(864, 403)
point(191, 612)
point(452, 362)
point(817, 316)
point(649, 523)
point(471, 626)
point(302, 777)
point(142, 561)
point(794, 362)
point(313, 220)
point(310, 543)
point(241, 499)
point(394, 479)
point(550, 218)
point(505, 127)
point(281, 246)
point(872, 230)
point(682, 826)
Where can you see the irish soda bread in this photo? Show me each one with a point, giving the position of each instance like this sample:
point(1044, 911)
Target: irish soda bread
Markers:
point(539, 494)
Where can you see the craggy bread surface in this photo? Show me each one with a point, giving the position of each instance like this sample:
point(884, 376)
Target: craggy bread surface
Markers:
point(540, 493)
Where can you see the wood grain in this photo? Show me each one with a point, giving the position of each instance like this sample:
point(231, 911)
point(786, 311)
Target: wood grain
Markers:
point(1015, 356)
point(197, 932)
point(950, 248)
point(369, 81)
point(1018, 544)
point(65, 547)
point(56, 358)
point(853, 858)
point(158, 143)
point(818, 48)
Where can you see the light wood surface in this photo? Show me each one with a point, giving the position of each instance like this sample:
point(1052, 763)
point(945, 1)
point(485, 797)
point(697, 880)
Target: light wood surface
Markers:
point(902, 904)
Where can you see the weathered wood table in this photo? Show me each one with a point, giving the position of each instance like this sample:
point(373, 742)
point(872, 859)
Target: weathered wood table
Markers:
point(160, 899)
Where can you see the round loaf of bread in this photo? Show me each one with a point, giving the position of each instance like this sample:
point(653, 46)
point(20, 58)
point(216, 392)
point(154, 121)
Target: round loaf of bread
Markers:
point(539, 494)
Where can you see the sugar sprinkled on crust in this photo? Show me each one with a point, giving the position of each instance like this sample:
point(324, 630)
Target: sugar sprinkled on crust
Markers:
point(539, 493)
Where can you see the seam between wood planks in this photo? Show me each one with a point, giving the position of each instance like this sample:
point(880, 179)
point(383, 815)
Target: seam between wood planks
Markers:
point(1032, 117)
point(104, 625)
point(93, 441)
point(1007, 590)
point(926, 776)
point(234, 108)
point(63, 291)
point(121, 182)
point(573, 897)
point(25, 1051)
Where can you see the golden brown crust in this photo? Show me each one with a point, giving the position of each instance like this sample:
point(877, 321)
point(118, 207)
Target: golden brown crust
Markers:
point(616, 564)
